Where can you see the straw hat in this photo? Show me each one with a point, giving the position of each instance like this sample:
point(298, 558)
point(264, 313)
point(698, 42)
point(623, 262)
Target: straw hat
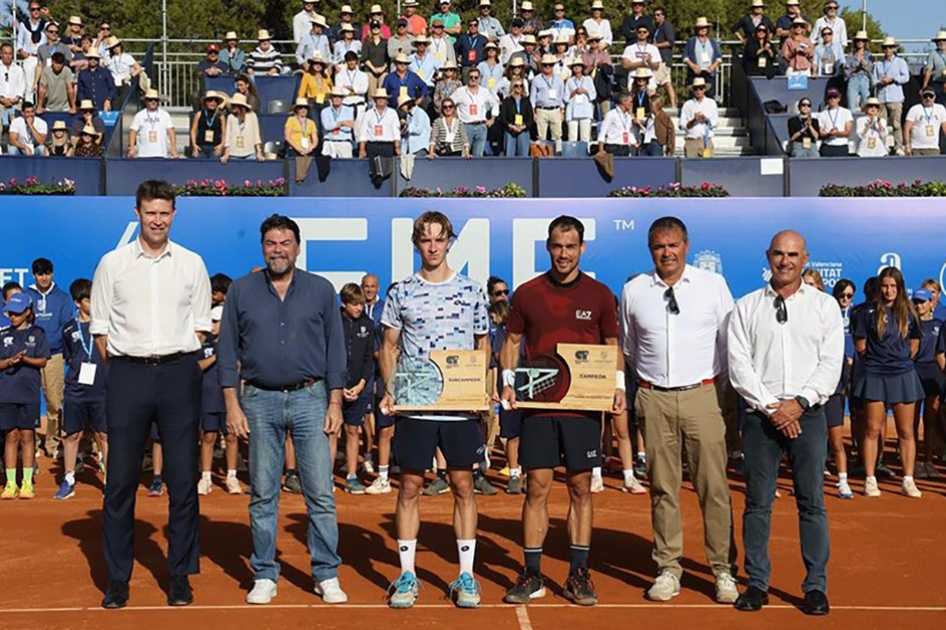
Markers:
point(484, 3)
point(410, 3)
point(213, 95)
point(799, 21)
point(112, 41)
point(89, 130)
point(872, 101)
point(230, 35)
point(152, 94)
point(516, 62)
point(240, 99)
point(545, 33)
point(701, 22)
point(597, 4)
point(940, 36)
point(861, 35)
point(339, 91)
point(526, 6)
point(594, 37)
point(402, 58)
point(86, 104)
point(375, 8)
point(643, 73)
point(759, 4)
point(528, 39)
point(319, 20)
point(300, 102)
point(263, 35)
point(792, 3)
point(548, 60)
point(575, 61)
point(318, 58)
point(346, 27)
point(93, 54)
point(404, 99)
point(449, 65)
point(380, 93)
point(75, 20)
point(698, 82)
point(889, 42)
point(561, 39)
point(345, 9)
point(420, 39)
point(60, 125)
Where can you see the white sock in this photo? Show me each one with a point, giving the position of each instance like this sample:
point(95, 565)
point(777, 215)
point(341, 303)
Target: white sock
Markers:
point(231, 473)
point(406, 549)
point(383, 472)
point(205, 475)
point(71, 477)
point(907, 478)
point(641, 455)
point(467, 550)
point(628, 475)
point(515, 472)
point(871, 478)
point(596, 472)
point(842, 477)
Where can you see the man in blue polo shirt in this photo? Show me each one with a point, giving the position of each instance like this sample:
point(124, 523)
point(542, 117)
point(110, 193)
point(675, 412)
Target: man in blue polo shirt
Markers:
point(54, 309)
point(403, 82)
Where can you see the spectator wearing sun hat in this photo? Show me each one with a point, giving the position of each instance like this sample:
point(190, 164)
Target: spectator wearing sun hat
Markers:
point(934, 74)
point(345, 17)
point(872, 131)
point(598, 25)
point(441, 45)
point(231, 55)
point(832, 20)
point(96, 84)
point(209, 128)
point(243, 134)
point(265, 59)
point(338, 125)
point(424, 64)
point(314, 41)
point(151, 134)
point(300, 132)
point(403, 82)
point(702, 55)
point(490, 27)
point(890, 74)
point(88, 143)
point(925, 120)
point(302, 21)
point(88, 117)
point(416, 24)
point(547, 95)
point(783, 26)
point(57, 142)
point(699, 117)
point(748, 23)
point(345, 44)
point(380, 132)
point(798, 51)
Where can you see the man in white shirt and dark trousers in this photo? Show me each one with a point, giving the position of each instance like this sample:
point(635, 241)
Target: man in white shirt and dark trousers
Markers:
point(380, 137)
point(618, 134)
point(477, 109)
point(152, 131)
point(786, 349)
point(698, 118)
point(673, 321)
point(150, 313)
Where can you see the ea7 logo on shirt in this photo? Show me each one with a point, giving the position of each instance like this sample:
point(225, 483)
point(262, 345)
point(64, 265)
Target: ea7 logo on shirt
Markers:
point(583, 315)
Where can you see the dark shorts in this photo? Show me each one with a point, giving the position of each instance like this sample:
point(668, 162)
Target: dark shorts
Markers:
point(79, 414)
point(381, 420)
point(510, 423)
point(155, 435)
point(369, 393)
point(213, 422)
point(552, 441)
point(416, 441)
point(19, 416)
point(834, 411)
point(354, 411)
point(932, 378)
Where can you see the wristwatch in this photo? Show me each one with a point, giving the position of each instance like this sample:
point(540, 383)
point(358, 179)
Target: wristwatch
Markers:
point(803, 402)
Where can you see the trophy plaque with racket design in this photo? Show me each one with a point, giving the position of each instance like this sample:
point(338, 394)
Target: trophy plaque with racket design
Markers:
point(580, 377)
point(451, 380)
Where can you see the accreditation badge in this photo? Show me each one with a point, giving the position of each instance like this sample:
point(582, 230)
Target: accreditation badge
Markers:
point(518, 121)
point(474, 109)
point(239, 142)
point(209, 136)
point(491, 83)
point(930, 131)
point(153, 137)
point(763, 62)
point(639, 113)
point(403, 91)
point(871, 143)
point(378, 131)
point(87, 374)
point(806, 143)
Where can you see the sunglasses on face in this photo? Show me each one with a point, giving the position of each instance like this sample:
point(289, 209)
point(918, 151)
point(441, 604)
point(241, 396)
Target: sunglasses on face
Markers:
point(446, 107)
point(501, 292)
point(805, 105)
point(847, 296)
point(672, 306)
point(928, 96)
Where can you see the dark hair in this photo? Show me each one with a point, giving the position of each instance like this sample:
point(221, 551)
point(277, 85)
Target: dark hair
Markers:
point(27, 105)
point(566, 223)
point(667, 223)
point(839, 287)
point(6, 45)
point(80, 289)
point(492, 282)
point(660, 9)
point(42, 265)
point(871, 288)
point(351, 55)
point(220, 283)
point(9, 288)
point(152, 189)
point(279, 222)
point(58, 57)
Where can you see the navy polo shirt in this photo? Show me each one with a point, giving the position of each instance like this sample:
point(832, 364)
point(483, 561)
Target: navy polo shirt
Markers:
point(212, 392)
point(416, 88)
point(890, 355)
point(929, 337)
point(470, 50)
point(281, 342)
point(75, 339)
point(19, 384)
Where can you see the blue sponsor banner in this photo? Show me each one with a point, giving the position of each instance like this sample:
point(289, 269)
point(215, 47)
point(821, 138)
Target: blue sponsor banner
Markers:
point(344, 238)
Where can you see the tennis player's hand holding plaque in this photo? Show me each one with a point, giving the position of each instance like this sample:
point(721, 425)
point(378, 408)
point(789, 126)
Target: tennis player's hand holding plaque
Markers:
point(451, 380)
point(581, 377)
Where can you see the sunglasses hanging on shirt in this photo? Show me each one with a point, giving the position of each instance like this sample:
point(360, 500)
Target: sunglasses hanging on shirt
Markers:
point(781, 312)
point(672, 306)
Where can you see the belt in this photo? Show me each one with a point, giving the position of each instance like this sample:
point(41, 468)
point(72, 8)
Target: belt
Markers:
point(537, 107)
point(285, 388)
point(155, 359)
point(684, 388)
point(478, 122)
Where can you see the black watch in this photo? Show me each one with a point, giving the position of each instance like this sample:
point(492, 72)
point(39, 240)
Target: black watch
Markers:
point(803, 402)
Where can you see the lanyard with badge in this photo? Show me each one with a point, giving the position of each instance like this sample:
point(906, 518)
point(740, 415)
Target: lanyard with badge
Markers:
point(553, 94)
point(86, 368)
point(930, 128)
point(518, 120)
point(209, 132)
point(153, 134)
point(335, 114)
point(627, 122)
point(303, 123)
point(640, 112)
point(378, 128)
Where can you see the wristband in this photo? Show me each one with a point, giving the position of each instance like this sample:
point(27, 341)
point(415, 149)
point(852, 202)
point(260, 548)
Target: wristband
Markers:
point(619, 380)
point(509, 378)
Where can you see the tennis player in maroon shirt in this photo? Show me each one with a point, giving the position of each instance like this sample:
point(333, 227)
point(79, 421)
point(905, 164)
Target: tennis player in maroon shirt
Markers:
point(562, 305)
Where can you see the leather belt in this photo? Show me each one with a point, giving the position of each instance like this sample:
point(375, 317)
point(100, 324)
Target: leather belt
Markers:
point(285, 388)
point(539, 107)
point(684, 388)
point(155, 359)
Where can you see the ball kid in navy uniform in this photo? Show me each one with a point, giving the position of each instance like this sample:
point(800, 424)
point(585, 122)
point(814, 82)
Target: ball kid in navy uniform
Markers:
point(84, 401)
point(932, 378)
point(23, 353)
point(213, 419)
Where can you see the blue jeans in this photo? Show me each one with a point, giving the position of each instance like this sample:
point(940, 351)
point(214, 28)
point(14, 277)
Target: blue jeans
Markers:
point(476, 134)
point(762, 445)
point(270, 415)
point(858, 87)
point(517, 146)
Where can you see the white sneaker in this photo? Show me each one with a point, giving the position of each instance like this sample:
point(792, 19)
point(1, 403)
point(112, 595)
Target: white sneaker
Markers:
point(263, 592)
point(331, 592)
point(844, 490)
point(379, 486)
point(597, 485)
point(665, 588)
point(909, 489)
point(726, 592)
point(633, 486)
point(234, 486)
point(204, 487)
point(871, 489)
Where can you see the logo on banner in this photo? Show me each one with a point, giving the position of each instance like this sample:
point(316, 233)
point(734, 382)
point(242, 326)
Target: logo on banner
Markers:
point(890, 259)
point(708, 260)
point(766, 274)
point(830, 272)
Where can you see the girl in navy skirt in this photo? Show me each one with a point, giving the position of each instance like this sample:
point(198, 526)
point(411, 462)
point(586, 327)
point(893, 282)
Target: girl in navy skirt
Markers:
point(834, 409)
point(932, 378)
point(887, 335)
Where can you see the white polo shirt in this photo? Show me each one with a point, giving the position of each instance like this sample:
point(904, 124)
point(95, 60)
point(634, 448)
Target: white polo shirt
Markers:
point(18, 126)
point(152, 129)
point(926, 125)
point(380, 128)
point(835, 119)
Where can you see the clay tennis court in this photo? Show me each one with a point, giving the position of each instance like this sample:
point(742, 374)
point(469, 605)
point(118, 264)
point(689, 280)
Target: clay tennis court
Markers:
point(886, 568)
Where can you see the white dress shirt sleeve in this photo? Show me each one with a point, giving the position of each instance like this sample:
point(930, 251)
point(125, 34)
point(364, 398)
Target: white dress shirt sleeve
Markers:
point(742, 373)
point(724, 309)
point(202, 298)
point(824, 380)
point(628, 340)
point(101, 298)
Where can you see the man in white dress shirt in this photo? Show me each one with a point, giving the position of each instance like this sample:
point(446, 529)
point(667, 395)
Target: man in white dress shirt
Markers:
point(302, 21)
point(698, 120)
point(673, 321)
point(150, 313)
point(786, 348)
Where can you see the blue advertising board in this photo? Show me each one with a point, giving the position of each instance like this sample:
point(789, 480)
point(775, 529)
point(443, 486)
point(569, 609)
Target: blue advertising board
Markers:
point(345, 238)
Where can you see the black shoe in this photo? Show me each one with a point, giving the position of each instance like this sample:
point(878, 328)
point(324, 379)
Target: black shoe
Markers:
point(529, 586)
point(579, 588)
point(117, 595)
point(180, 592)
point(292, 484)
point(752, 600)
point(816, 603)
